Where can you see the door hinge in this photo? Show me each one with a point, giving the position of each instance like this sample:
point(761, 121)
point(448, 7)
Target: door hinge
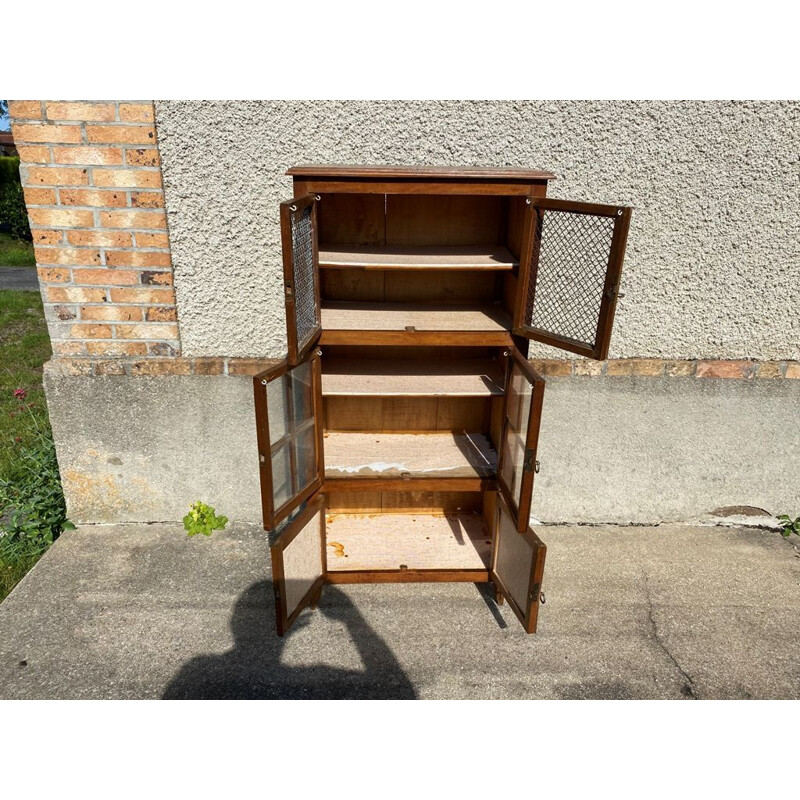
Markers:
point(614, 292)
point(289, 291)
point(529, 465)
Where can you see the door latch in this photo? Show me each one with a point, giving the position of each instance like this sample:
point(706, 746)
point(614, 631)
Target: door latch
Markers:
point(529, 465)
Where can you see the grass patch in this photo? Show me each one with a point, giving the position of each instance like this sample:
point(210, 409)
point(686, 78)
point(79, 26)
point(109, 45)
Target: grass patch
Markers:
point(15, 252)
point(31, 500)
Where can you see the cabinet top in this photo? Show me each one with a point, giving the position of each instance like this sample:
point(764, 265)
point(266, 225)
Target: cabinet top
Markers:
point(455, 173)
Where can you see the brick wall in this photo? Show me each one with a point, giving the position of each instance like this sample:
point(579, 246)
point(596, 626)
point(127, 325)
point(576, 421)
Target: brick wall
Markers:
point(92, 179)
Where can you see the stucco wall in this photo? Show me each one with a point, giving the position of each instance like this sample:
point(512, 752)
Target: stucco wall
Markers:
point(713, 263)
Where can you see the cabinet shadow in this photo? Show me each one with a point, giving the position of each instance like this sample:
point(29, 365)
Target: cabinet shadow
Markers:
point(252, 669)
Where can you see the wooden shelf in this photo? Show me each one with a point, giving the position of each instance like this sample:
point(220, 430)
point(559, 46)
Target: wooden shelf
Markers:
point(469, 377)
point(406, 541)
point(411, 455)
point(346, 316)
point(427, 258)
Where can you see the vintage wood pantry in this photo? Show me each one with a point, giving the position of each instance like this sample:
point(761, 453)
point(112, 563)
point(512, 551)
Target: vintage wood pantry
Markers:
point(398, 440)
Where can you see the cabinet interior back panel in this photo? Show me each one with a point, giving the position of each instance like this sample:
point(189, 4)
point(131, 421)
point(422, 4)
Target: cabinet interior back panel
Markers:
point(398, 541)
point(392, 455)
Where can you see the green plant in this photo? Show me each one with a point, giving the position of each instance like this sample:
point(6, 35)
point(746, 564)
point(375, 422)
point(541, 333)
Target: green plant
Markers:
point(203, 519)
point(13, 214)
point(32, 508)
point(789, 526)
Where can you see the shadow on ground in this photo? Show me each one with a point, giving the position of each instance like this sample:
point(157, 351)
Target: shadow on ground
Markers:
point(252, 670)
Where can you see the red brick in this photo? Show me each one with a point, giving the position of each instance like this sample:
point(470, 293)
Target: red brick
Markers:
point(679, 369)
point(161, 314)
point(127, 178)
point(87, 155)
point(61, 217)
point(47, 237)
point(209, 366)
point(57, 134)
point(725, 369)
point(162, 278)
point(25, 109)
point(793, 370)
point(67, 255)
point(588, 367)
point(147, 199)
point(152, 240)
point(56, 176)
point(53, 274)
point(133, 219)
point(770, 369)
point(112, 313)
point(99, 238)
point(68, 348)
point(31, 155)
point(116, 348)
point(91, 197)
point(75, 366)
point(167, 366)
point(150, 296)
point(82, 112)
point(105, 277)
point(39, 197)
point(147, 331)
point(90, 331)
point(142, 157)
point(137, 258)
point(650, 367)
point(70, 294)
point(109, 368)
point(249, 366)
point(552, 367)
point(136, 112)
point(121, 134)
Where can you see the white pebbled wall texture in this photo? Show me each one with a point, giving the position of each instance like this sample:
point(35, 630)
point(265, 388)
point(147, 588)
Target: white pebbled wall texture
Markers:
point(713, 261)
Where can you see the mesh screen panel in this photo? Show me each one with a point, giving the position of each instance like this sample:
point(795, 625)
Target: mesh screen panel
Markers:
point(305, 289)
point(565, 296)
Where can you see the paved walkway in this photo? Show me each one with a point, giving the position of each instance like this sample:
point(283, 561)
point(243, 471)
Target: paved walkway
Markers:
point(138, 611)
point(21, 278)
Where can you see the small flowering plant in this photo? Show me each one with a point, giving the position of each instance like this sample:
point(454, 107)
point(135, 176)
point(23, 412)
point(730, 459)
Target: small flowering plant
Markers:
point(203, 519)
point(20, 394)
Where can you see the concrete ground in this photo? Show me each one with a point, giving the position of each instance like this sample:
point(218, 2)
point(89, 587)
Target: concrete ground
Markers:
point(142, 611)
point(20, 278)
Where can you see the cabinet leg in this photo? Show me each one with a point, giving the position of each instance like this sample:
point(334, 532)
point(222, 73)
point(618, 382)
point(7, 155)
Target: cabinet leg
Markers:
point(498, 596)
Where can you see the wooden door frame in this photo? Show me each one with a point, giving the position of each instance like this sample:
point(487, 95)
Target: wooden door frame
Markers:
point(296, 205)
point(537, 382)
point(284, 621)
point(271, 515)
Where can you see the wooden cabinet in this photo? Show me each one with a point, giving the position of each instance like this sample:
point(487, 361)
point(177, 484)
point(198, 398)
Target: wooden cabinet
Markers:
point(398, 441)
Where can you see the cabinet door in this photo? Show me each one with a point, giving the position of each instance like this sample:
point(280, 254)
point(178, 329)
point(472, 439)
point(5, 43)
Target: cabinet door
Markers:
point(299, 562)
point(568, 293)
point(517, 566)
point(301, 275)
point(520, 438)
point(289, 427)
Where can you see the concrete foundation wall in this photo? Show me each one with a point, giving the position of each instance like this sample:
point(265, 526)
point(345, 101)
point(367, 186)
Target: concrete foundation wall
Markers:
point(713, 264)
point(621, 449)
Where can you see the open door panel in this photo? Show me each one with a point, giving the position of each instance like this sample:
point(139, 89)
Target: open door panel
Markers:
point(517, 566)
point(520, 437)
point(568, 293)
point(301, 275)
point(298, 562)
point(288, 404)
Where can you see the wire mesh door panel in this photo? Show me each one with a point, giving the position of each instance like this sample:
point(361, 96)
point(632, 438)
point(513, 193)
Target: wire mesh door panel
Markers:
point(289, 427)
point(569, 292)
point(298, 560)
point(300, 275)
point(517, 566)
point(517, 464)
